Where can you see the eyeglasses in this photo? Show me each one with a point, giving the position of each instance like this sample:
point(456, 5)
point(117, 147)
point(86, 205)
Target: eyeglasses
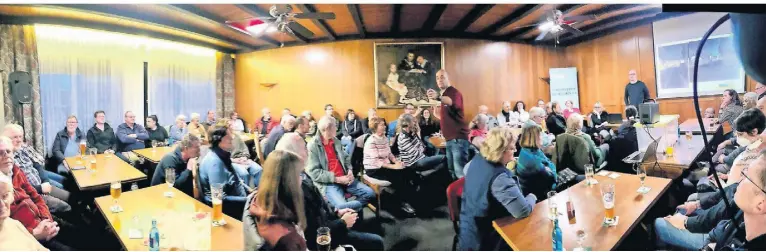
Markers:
point(5, 153)
point(751, 181)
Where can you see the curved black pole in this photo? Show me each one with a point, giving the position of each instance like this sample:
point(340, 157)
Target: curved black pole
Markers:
point(699, 116)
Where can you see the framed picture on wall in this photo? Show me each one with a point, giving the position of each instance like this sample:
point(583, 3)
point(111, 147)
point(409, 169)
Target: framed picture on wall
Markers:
point(405, 71)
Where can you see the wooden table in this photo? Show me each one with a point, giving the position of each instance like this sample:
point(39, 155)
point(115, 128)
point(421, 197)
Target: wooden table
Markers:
point(438, 142)
point(534, 232)
point(247, 136)
point(154, 155)
point(108, 170)
point(685, 153)
point(148, 203)
point(711, 126)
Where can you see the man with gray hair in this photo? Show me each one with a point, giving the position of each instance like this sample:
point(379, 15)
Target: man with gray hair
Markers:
point(330, 168)
point(182, 160)
point(491, 120)
point(287, 124)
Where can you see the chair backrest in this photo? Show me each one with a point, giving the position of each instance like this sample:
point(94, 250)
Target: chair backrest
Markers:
point(454, 196)
point(726, 127)
point(358, 154)
point(258, 147)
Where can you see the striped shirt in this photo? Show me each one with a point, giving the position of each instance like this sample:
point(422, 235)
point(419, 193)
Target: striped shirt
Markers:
point(411, 149)
point(376, 152)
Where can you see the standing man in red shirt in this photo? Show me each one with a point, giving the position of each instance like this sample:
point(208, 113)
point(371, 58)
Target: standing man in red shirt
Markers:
point(453, 125)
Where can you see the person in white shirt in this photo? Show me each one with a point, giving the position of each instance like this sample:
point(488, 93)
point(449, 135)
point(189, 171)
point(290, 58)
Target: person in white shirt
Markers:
point(520, 113)
point(505, 117)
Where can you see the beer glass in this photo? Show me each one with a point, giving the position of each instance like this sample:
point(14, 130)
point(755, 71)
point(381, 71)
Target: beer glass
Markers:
point(607, 197)
point(170, 179)
point(641, 172)
point(324, 241)
point(82, 151)
point(154, 145)
point(108, 152)
point(216, 192)
point(92, 156)
point(688, 139)
point(553, 213)
point(116, 190)
point(589, 173)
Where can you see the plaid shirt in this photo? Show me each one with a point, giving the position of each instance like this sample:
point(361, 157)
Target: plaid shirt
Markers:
point(26, 157)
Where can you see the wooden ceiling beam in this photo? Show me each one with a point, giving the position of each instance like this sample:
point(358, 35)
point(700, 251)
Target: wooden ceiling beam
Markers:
point(309, 8)
point(114, 28)
point(600, 33)
point(357, 16)
point(433, 17)
point(511, 18)
point(565, 9)
point(155, 20)
point(255, 11)
point(607, 21)
point(473, 15)
point(396, 18)
point(190, 9)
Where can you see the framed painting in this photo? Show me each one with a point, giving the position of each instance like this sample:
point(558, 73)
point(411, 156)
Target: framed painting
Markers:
point(405, 71)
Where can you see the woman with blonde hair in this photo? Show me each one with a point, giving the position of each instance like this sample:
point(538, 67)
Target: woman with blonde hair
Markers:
point(749, 100)
point(277, 208)
point(537, 173)
point(491, 192)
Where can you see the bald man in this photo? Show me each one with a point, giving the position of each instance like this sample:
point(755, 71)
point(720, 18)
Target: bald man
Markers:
point(492, 122)
point(453, 123)
point(636, 91)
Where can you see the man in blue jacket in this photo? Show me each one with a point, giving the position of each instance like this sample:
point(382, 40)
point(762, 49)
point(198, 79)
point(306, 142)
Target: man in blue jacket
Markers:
point(131, 136)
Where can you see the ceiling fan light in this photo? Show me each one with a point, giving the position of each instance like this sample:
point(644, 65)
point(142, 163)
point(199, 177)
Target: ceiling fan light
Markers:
point(546, 26)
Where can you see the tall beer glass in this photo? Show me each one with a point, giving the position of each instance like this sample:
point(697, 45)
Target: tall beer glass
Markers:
point(216, 193)
point(607, 197)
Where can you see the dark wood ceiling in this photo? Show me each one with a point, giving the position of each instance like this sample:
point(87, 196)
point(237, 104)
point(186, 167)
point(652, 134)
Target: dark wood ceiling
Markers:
point(203, 24)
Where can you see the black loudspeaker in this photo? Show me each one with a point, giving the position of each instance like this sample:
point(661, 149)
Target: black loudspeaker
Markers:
point(21, 87)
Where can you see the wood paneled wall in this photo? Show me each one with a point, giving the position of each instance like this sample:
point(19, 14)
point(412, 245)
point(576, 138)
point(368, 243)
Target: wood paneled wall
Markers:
point(341, 73)
point(603, 65)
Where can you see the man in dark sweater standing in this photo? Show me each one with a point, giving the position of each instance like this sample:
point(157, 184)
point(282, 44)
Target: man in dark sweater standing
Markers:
point(453, 124)
point(636, 91)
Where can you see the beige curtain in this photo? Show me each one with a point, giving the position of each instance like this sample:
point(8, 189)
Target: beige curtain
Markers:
point(224, 85)
point(18, 52)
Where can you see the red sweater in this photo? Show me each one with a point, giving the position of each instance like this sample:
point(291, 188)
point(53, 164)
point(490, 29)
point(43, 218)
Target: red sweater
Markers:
point(452, 117)
point(28, 207)
point(259, 125)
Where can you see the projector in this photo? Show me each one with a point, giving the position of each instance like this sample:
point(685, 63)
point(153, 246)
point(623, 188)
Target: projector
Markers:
point(649, 112)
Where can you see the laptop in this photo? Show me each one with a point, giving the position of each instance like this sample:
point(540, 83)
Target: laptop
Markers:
point(649, 156)
point(614, 118)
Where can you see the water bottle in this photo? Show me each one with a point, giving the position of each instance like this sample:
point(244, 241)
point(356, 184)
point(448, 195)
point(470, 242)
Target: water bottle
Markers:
point(558, 240)
point(154, 237)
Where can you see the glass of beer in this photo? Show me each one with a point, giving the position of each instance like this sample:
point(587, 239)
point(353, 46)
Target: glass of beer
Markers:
point(216, 193)
point(553, 212)
point(82, 150)
point(154, 145)
point(688, 136)
point(607, 197)
point(170, 179)
point(669, 150)
point(107, 152)
point(589, 173)
point(324, 241)
point(115, 190)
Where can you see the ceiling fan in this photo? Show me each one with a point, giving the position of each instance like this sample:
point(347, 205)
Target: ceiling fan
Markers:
point(282, 19)
point(556, 22)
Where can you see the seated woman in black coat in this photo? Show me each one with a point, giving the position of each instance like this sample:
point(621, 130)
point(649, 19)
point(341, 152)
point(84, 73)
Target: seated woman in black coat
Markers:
point(624, 143)
point(156, 132)
point(555, 122)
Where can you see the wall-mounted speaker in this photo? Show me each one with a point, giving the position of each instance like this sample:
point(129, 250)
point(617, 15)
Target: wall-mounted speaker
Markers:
point(21, 87)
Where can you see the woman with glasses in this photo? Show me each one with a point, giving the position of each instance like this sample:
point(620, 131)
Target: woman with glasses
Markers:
point(597, 121)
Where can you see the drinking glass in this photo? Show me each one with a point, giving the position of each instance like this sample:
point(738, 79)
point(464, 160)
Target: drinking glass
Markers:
point(607, 197)
point(108, 152)
point(170, 179)
point(641, 172)
point(154, 146)
point(324, 241)
point(580, 240)
point(116, 190)
point(216, 192)
point(688, 139)
point(589, 173)
point(669, 150)
point(82, 151)
point(92, 152)
point(553, 213)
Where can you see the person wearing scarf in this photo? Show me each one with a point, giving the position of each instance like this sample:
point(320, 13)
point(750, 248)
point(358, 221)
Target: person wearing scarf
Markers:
point(217, 168)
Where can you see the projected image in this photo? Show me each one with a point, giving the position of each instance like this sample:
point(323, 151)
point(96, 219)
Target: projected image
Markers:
point(719, 67)
point(673, 66)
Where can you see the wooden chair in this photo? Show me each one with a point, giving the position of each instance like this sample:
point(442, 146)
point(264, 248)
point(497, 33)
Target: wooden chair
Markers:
point(204, 149)
point(258, 149)
point(726, 127)
point(378, 186)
